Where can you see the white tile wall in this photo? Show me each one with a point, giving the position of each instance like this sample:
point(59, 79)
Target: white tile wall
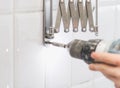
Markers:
point(28, 5)
point(28, 61)
point(6, 6)
point(6, 51)
point(84, 85)
point(25, 63)
point(107, 27)
point(58, 68)
point(97, 83)
point(117, 32)
point(102, 83)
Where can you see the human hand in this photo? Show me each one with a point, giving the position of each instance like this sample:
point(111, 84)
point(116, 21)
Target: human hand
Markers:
point(109, 66)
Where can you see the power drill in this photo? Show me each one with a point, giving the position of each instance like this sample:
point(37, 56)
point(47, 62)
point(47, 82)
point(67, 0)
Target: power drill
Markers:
point(82, 49)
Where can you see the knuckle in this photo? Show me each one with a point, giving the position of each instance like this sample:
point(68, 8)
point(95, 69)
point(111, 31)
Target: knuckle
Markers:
point(117, 63)
point(102, 69)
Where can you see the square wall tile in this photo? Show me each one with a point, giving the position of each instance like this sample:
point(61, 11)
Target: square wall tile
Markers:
point(6, 51)
point(58, 67)
point(29, 66)
point(28, 5)
point(6, 6)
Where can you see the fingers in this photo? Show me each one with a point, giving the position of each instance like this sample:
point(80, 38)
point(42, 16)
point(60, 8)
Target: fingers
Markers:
point(112, 59)
point(105, 69)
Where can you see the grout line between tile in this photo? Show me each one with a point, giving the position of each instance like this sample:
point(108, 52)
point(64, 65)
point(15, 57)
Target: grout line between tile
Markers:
point(14, 53)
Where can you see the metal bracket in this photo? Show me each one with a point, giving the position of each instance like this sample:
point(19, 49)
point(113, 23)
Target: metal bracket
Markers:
point(82, 15)
point(77, 13)
point(90, 15)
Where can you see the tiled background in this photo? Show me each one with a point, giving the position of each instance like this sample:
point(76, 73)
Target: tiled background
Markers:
point(25, 63)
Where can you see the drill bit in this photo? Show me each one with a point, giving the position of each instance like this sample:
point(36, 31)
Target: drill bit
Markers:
point(57, 44)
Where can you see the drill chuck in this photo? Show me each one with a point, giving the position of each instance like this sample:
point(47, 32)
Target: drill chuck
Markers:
point(82, 49)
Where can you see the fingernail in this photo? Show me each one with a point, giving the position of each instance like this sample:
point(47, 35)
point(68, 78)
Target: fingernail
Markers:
point(93, 54)
point(92, 67)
